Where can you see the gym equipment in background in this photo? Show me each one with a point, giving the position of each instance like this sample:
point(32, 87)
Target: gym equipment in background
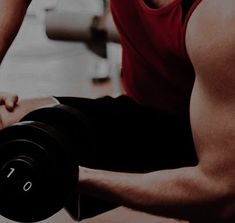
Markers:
point(94, 30)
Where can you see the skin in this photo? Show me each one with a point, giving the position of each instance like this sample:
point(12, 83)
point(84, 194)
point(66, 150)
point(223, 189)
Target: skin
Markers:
point(8, 100)
point(202, 193)
point(11, 10)
point(158, 3)
point(11, 17)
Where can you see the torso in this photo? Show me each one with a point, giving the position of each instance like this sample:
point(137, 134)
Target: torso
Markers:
point(157, 3)
point(156, 69)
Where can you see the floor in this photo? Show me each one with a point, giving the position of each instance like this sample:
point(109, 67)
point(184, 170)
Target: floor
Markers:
point(36, 66)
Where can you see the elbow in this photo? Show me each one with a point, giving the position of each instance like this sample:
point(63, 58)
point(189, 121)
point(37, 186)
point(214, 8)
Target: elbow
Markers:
point(226, 205)
point(219, 209)
point(220, 198)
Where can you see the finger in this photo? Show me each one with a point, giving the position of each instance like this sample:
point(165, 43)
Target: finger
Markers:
point(11, 102)
point(2, 99)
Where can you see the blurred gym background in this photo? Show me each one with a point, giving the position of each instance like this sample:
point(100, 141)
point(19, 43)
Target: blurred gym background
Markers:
point(59, 51)
point(64, 48)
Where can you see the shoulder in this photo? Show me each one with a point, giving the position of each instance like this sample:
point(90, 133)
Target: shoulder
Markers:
point(210, 41)
point(211, 23)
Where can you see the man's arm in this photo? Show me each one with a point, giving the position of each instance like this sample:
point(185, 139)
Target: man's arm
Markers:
point(12, 13)
point(23, 107)
point(206, 192)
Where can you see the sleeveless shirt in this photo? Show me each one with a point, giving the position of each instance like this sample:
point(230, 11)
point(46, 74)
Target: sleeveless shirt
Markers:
point(156, 70)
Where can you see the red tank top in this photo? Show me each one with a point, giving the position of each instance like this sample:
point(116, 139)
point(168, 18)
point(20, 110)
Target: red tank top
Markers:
point(156, 70)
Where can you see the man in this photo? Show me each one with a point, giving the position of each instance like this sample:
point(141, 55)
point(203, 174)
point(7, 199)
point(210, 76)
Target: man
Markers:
point(165, 42)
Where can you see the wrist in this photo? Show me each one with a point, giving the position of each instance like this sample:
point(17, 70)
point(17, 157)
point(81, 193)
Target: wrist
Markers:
point(86, 176)
point(83, 174)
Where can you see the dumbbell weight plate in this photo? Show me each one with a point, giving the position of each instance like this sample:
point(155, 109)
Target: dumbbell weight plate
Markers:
point(76, 128)
point(33, 172)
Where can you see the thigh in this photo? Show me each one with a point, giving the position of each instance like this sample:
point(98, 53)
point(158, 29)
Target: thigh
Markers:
point(130, 137)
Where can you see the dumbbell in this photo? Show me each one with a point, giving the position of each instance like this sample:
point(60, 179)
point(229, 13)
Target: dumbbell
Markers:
point(39, 163)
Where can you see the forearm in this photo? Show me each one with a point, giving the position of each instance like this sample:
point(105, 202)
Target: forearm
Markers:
point(23, 107)
point(181, 193)
point(12, 13)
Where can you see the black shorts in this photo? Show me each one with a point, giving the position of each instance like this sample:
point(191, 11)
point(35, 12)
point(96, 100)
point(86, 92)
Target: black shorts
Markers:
point(132, 138)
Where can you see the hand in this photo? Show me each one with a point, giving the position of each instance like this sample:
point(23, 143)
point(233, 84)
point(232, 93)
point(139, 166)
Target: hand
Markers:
point(9, 100)
point(23, 107)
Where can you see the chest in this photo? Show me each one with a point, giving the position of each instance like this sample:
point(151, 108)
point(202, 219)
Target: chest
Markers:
point(157, 3)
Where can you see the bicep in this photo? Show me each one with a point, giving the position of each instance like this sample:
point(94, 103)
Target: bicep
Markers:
point(213, 127)
point(212, 51)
